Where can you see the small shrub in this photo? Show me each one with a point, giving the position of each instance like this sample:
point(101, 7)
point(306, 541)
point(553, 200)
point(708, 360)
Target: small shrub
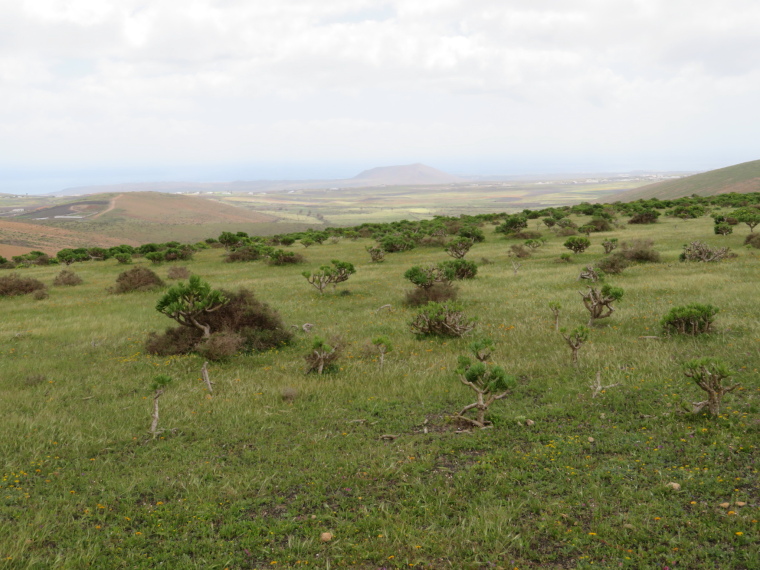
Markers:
point(13, 284)
point(155, 257)
point(691, 319)
point(376, 254)
point(442, 319)
point(425, 277)
point(519, 250)
point(322, 356)
point(175, 340)
point(645, 217)
point(40, 294)
point(247, 253)
point(462, 268)
point(640, 250)
point(123, 258)
point(136, 279)
point(176, 272)
point(698, 251)
point(752, 240)
point(281, 257)
point(438, 293)
point(723, 229)
point(527, 234)
point(565, 232)
point(564, 258)
point(67, 278)
point(432, 241)
point(257, 323)
point(599, 225)
point(609, 245)
point(221, 345)
point(614, 264)
point(382, 346)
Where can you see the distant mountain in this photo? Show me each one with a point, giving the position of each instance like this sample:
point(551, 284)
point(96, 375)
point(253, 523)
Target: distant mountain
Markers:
point(407, 175)
point(742, 178)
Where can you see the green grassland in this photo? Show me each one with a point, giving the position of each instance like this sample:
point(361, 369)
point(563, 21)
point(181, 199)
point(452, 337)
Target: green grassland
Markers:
point(354, 206)
point(244, 478)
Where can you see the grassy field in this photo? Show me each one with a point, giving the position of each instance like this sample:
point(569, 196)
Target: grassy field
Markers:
point(244, 478)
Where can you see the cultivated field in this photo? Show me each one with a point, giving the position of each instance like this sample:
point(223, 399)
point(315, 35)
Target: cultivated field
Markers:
point(247, 478)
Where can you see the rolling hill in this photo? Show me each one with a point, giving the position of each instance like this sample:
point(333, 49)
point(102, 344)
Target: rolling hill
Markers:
point(741, 178)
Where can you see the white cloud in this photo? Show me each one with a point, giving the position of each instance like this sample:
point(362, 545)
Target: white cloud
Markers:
point(138, 80)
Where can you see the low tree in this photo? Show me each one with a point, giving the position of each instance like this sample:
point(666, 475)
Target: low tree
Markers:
point(339, 272)
point(599, 302)
point(577, 244)
point(555, 309)
point(610, 245)
point(708, 374)
point(459, 247)
point(489, 382)
point(749, 216)
point(376, 254)
point(575, 340)
point(188, 303)
point(383, 346)
point(322, 356)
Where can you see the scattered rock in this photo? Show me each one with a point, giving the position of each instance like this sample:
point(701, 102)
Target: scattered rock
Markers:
point(629, 526)
point(530, 423)
point(591, 440)
point(740, 503)
point(325, 537)
point(724, 505)
point(674, 486)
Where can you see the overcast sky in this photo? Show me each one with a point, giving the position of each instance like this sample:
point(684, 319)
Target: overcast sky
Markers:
point(117, 90)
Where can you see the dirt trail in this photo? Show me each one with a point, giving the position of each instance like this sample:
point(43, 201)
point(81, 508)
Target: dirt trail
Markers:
point(111, 206)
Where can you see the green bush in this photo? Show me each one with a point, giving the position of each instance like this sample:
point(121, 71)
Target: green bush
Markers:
point(577, 244)
point(691, 319)
point(461, 268)
point(442, 319)
point(259, 325)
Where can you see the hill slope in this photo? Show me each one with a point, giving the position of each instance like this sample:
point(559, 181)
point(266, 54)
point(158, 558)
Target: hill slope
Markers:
point(169, 209)
point(742, 178)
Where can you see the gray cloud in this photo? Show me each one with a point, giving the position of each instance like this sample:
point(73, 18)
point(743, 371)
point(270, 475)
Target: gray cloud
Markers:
point(215, 80)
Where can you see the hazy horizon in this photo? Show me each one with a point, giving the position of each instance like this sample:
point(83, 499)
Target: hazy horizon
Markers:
point(104, 92)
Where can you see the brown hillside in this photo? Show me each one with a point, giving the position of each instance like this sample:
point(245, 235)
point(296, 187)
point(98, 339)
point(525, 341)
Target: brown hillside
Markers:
point(17, 238)
point(176, 209)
